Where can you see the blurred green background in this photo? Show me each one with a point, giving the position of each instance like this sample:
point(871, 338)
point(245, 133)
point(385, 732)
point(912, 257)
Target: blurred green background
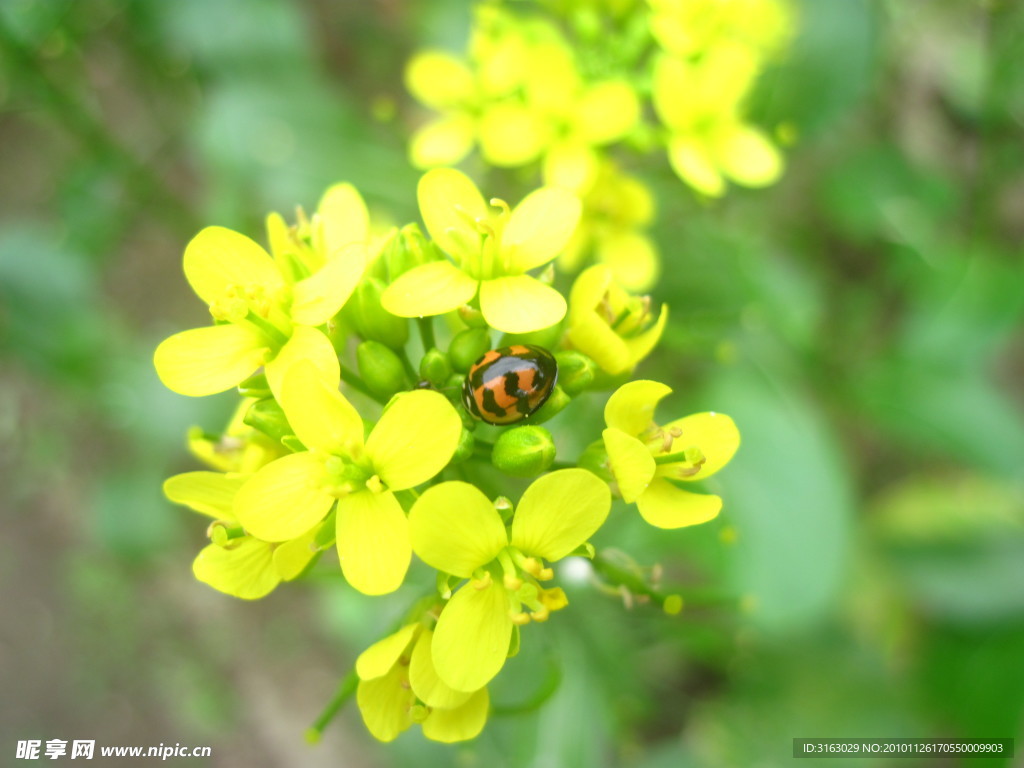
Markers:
point(861, 321)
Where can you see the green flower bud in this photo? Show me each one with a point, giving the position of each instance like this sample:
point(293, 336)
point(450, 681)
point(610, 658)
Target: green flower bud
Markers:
point(268, 417)
point(524, 451)
point(435, 368)
point(552, 407)
point(381, 369)
point(370, 320)
point(467, 347)
point(465, 448)
point(474, 318)
point(575, 371)
point(408, 249)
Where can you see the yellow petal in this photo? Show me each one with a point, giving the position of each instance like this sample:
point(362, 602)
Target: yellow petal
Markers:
point(607, 112)
point(692, 162)
point(539, 228)
point(343, 219)
point(511, 135)
point(747, 157)
point(520, 304)
point(384, 703)
point(592, 336)
point(632, 257)
point(588, 290)
point(282, 247)
point(429, 289)
point(305, 344)
point(415, 438)
point(284, 499)
point(640, 346)
point(472, 637)
point(438, 79)
point(449, 203)
point(246, 570)
point(205, 361)
point(559, 512)
point(373, 541)
point(427, 686)
point(445, 141)
point(292, 557)
point(631, 406)
point(212, 493)
point(218, 258)
point(320, 415)
point(380, 657)
point(321, 296)
point(456, 529)
point(631, 463)
point(665, 506)
point(459, 724)
point(715, 434)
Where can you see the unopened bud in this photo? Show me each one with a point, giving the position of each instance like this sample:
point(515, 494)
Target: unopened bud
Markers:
point(575, 371)
point(467, 347)
point(381, 369)
point(554, 405)
point(369, 318)
point(408, 249)
point(435, 368)
point(524, 451)
point(465, 447)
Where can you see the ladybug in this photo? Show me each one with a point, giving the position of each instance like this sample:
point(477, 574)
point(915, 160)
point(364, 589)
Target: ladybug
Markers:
point(507, 385)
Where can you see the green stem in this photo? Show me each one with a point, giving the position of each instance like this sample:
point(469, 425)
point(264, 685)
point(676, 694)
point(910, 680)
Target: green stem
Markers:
point(634, 582)
point(426, 326)
point(409, 370)
point(345, 690)
point(563, 465)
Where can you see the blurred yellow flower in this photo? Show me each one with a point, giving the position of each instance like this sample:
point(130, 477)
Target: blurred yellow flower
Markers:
point(456, 529)
point(647, 458)
point(413, 441)
point(616, 209)
point(492, 248)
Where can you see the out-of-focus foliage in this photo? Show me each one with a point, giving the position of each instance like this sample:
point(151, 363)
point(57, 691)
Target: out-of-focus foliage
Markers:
point(861, 321)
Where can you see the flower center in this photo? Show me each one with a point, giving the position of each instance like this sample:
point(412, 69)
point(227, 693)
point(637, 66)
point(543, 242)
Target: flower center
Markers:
point(251, 305)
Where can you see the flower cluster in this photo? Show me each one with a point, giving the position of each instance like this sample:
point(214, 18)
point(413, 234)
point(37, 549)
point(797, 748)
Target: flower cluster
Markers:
point(530, 92)
point(354, 436)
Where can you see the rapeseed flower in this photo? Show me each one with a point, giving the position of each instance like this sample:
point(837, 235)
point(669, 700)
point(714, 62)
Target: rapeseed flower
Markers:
point(492, 250)
point(646, 459)
point(456, 529)
point(267, 309)
point(414, 439)
point(234, 562)
point(398, 686)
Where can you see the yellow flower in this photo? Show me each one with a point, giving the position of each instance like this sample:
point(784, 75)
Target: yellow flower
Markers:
point(456, 529)
point(493, 248)
point(341, 220)
point(262, 317)
point(616, 210)
point(413, 441)
point(616, 330)
point(713, 53)
point(521, 97)
point(236, 563)
point(398, 685)
point(646, 458)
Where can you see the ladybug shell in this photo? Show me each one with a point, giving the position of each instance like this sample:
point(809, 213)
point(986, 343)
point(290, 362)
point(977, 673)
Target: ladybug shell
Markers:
point(506, 385)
